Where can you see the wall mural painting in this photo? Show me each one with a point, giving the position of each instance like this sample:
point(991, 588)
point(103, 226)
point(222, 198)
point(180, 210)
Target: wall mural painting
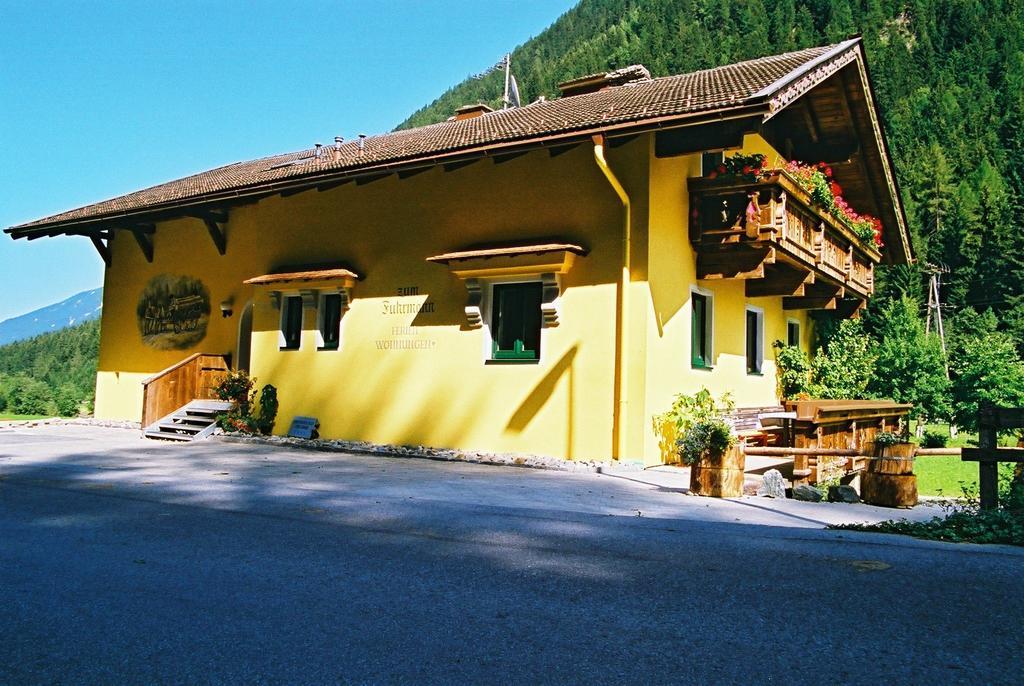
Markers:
point(173, 312)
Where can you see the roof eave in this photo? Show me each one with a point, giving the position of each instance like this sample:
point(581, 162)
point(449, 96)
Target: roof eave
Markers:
point(744, 108)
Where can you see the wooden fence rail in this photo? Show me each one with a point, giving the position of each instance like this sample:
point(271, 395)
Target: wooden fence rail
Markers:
point(988, 454)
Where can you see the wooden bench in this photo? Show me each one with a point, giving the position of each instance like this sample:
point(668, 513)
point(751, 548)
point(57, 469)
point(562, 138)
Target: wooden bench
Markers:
point(757, 425)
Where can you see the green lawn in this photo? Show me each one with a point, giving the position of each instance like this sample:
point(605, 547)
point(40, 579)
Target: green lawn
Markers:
point(16, 417)
point(942, 474)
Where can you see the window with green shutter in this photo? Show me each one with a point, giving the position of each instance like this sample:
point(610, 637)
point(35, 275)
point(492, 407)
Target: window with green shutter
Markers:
point(515, 321)
point(701, 331)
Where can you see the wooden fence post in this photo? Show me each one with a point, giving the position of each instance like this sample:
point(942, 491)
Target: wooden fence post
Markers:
point(988, 470)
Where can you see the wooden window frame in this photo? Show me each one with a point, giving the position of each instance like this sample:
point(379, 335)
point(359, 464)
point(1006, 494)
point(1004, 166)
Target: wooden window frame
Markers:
point(707, 362)
point(490, 353)
point(790, 323)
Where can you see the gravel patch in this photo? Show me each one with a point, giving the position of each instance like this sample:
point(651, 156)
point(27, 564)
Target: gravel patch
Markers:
point(425, 452)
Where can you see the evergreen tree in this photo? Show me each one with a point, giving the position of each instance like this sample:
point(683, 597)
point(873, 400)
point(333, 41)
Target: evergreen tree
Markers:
point(911, 361)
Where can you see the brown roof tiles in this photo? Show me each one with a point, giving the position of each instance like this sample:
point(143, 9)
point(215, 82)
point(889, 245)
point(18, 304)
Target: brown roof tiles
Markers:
point(631, 103)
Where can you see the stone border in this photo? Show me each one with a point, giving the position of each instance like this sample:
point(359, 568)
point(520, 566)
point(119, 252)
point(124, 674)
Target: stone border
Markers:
point(424, 452)
point(69, 421)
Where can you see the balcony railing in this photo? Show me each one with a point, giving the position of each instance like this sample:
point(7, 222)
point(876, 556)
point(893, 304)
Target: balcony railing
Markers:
point(770, 231)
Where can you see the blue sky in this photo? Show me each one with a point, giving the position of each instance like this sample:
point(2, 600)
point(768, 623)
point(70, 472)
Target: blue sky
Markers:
point(100, 99)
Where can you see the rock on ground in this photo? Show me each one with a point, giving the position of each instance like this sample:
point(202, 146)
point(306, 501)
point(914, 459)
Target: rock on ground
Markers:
point(807, 493)
point(843, 494)
point(772, 485)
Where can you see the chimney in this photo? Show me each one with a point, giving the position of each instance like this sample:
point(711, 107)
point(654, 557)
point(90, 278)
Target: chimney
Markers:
point(336, 150)
point(636, 73)
point(471, 111)
point(318, 150)
point(362, 143)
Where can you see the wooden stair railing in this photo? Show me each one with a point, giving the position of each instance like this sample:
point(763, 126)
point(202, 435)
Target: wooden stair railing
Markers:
point(193, 378)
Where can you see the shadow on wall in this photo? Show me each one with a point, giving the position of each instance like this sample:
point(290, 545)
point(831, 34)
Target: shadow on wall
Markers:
point(542, 392)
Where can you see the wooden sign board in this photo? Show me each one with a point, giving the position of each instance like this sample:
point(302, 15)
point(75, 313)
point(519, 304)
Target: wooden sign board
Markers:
point(304, 427)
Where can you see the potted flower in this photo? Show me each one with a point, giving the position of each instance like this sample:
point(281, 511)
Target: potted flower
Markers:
point(889, 479)
point(893, 444)
point(706, 443)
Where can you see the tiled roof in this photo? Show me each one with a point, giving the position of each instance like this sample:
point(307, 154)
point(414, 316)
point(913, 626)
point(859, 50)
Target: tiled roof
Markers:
point(508, 252)
point(709, 90)
point(302, 274)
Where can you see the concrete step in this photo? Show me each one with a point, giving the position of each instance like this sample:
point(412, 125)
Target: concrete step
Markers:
point(167, 435)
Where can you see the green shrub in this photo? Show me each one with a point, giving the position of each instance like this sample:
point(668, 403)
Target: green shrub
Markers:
point(793, 370)
point(706, 437)
point(237, 388)
point(698, 424)
point(884, 439)
point(268, 409)
point(934, 439)
point(845, 364)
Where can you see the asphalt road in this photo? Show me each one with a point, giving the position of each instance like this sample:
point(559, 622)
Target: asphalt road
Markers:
point(123, 561)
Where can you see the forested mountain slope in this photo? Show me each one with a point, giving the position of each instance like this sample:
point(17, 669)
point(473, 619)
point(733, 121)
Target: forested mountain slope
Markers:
point(54, 373)
point(949, 75)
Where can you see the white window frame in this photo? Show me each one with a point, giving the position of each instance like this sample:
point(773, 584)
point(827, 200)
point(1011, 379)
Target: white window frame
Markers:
point(320, 310)
point(759, 312)
point(486, 310)
point(709, 325)
point(799, 330)
point(282, 341)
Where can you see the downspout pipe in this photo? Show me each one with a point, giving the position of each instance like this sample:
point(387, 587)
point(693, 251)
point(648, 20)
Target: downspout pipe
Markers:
point(620, 420)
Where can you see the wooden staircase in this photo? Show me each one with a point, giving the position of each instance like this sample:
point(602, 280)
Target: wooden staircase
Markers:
point(194, 421)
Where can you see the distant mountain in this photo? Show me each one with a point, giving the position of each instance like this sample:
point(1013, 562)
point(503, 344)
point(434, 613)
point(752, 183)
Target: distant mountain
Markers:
point(75, 310)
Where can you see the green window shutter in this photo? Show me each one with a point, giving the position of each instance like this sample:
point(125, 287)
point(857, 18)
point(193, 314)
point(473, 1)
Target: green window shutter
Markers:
point(699, 329)
point(515, 321)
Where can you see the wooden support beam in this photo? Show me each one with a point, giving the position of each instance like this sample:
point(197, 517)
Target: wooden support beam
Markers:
point(562, 149)
point(452, 166)
point(333, 184)
point(733, 261)
point(779, 281)
point(217, 234)
point(145, 243)
point(102, 247)
point(502, 159)
point(363, 180)
point(849, 307)
point(406, 173)
point(295, 191)
point(810, 119)
point(219, 216)
point(809, 303)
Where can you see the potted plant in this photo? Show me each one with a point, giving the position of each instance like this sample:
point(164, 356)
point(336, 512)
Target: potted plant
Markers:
point(893, 444)
point(889, 479)
point(706, 443)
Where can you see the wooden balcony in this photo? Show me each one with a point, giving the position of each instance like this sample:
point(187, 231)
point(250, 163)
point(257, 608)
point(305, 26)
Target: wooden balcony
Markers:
point(771, 235)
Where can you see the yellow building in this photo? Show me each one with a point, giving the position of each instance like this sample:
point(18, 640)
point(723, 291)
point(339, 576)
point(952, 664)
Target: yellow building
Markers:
point(540, 279)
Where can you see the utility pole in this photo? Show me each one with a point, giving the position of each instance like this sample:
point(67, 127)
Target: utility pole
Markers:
point(505, 102)
point(935, 305)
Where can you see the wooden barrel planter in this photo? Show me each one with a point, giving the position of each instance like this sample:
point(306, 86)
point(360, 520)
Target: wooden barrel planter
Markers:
point(889, 480)
point(719, 476)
